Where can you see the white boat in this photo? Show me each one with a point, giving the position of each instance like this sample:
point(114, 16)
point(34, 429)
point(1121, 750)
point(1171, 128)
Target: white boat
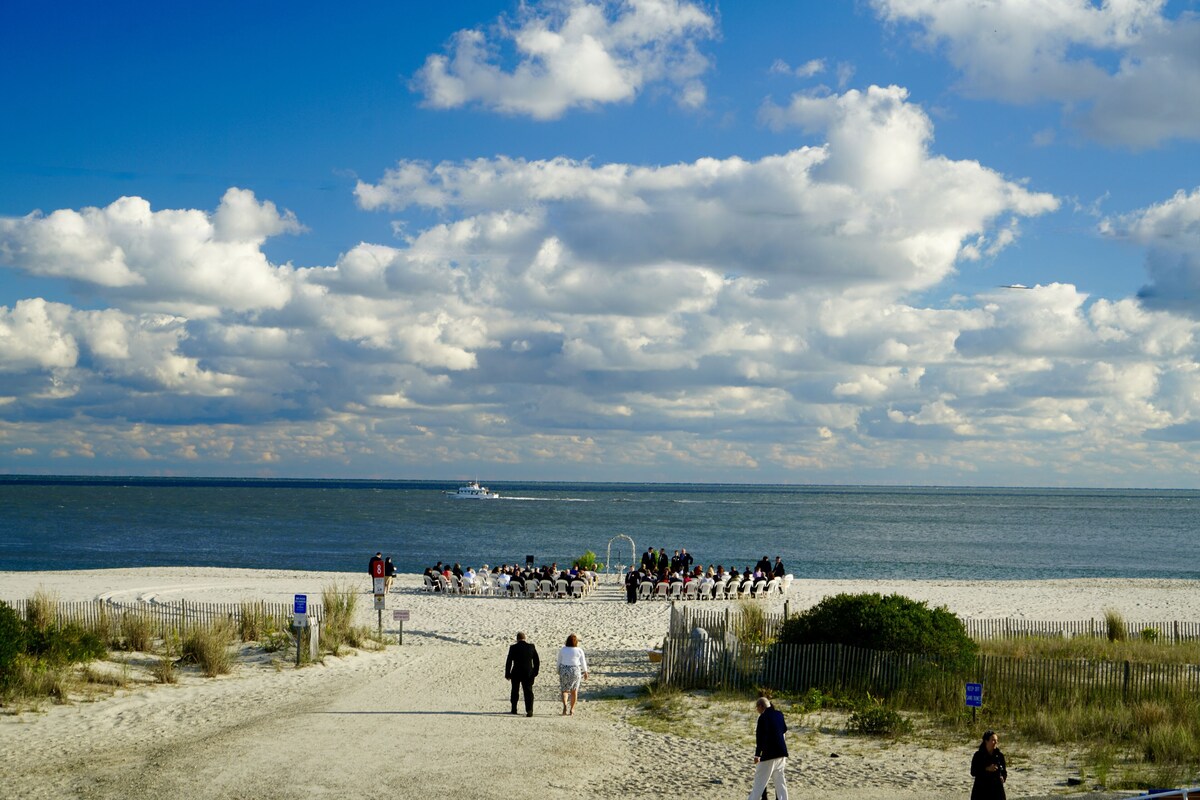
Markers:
point(473, 491)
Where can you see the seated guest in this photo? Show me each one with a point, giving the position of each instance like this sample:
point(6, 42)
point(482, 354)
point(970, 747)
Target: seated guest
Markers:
point(433, 578)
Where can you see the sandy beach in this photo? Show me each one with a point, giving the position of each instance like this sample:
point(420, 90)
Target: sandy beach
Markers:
point(429, 717)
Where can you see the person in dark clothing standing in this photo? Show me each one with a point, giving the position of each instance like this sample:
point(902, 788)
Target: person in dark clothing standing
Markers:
point(770, 751)
point(389, 574)
point(521, 667)
point(988, 769)
point(778, 570)
point(631, 585)
point(685, 560)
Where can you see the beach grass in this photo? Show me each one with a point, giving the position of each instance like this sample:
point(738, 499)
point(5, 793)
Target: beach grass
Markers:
point(1094, 648)
point(137, 632)
point(41, 610)
point(164, 670)
point(209, 648)
point(340, 603)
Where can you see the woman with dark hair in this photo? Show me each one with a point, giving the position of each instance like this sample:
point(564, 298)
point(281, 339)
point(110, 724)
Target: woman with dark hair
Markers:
point(572, 668)
point(987, 766)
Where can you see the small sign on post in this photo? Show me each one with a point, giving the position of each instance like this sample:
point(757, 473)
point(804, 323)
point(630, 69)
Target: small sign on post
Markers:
point(400, 616)
point(300, 621)
point(974, 697)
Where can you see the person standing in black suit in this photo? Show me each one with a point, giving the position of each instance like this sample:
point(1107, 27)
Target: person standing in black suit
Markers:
point(521, 668)
point(632, 581)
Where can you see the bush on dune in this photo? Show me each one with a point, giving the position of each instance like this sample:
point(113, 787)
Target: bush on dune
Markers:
point(893, 623)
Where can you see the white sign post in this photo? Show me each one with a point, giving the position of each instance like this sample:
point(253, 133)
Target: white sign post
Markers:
point(380, 602)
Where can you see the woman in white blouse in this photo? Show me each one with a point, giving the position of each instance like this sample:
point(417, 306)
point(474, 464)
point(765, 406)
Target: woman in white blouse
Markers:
point(572, 668)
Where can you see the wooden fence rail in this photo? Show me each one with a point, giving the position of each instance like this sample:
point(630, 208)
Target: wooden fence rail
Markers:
point(166, 619)
point(701, 661)
point(710, 648)
point(717, 622)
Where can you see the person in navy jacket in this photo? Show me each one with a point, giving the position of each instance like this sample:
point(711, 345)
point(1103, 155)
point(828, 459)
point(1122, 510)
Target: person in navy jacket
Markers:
point(770, 751)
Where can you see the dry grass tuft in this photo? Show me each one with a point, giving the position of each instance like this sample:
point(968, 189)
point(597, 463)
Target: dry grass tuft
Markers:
point(208, 648)
point(42, 610)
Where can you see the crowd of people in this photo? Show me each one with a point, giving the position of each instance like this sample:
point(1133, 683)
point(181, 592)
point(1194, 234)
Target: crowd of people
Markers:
point(506, 578)
point(658, 568)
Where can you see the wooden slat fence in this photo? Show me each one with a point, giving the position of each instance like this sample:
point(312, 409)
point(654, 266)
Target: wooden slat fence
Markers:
point(1176, 631)
point(720, 621)
point(712, 663)
point(708, 648)
point(172, 618)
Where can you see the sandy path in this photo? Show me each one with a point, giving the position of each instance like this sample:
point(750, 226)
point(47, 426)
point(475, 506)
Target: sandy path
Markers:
point(395, 720)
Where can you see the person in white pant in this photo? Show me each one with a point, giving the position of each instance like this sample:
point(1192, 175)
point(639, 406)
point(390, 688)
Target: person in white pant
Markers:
point(770, 751)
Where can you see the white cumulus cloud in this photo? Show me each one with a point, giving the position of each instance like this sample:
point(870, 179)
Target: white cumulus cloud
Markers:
point(180, 260)
point(573, 53)
point(1124, 71)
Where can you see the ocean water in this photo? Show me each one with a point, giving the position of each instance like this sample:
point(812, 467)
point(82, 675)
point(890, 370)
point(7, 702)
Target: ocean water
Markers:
point(820, 531)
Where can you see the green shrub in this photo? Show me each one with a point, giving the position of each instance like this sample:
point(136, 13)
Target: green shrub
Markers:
point(588, 561)
point(1149, 635)
point(12, 642)
point(276, 641)
point(872, 718)
point(893, 623)
point(69, 644)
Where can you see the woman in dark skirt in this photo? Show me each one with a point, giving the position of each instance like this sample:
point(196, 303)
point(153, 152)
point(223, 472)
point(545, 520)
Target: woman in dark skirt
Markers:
point(987, 766)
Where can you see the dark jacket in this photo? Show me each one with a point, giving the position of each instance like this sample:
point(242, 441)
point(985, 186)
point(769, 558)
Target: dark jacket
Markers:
point(522, 662)
point(768, 736)
point(988, 785)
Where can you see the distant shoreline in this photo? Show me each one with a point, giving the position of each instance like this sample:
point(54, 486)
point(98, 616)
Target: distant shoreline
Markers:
point(217, 481)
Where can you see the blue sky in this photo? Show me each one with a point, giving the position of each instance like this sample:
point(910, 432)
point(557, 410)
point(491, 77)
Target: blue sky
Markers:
point(651, 240)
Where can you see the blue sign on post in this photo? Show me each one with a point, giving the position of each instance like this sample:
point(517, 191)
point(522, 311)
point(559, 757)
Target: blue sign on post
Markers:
point(975, 695)
point(301, 604)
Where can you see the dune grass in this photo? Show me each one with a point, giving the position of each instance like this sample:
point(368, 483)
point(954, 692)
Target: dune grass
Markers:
point(209, 648)
point(338, 628)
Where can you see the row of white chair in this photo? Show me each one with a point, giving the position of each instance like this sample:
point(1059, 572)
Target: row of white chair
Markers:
point(717, 590)
point(489, 586)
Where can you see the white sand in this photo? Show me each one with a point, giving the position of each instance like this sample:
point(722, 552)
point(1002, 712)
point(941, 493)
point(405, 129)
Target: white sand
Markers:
point(427, 718)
